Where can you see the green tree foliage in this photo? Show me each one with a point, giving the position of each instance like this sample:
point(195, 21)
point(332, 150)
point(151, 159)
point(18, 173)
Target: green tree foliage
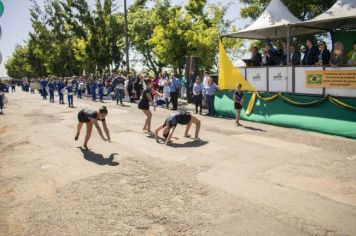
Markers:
point(17, 66)
point(192, 31)
point(302, 9)
point(68, 38)
point(71, 38)
point(142, 22)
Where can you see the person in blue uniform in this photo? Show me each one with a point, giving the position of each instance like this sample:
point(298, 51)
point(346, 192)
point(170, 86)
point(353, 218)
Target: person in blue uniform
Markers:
point(44, 83)
point(60, 87)
point(101, 90)
point(2, 95)
point(70, 93)
point(93, 90)
point(51, 88)
point(91, 118)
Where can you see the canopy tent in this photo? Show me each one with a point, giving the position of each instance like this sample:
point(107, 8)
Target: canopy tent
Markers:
point(274, 22)
point(342, 15)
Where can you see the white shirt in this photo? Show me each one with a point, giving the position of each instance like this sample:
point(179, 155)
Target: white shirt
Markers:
point(205, 81)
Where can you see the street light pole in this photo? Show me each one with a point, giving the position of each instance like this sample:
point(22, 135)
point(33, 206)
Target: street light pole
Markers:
point(126, 40)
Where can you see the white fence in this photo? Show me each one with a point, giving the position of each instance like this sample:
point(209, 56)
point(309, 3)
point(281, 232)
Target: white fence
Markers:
point(290, 79)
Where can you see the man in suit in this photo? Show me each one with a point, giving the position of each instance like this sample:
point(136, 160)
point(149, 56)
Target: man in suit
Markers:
point(294, 56)
point(311, 54)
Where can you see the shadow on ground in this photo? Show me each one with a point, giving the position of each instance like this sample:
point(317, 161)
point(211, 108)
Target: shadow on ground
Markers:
point(190, 144)
point(99, 158)
point(254, 129)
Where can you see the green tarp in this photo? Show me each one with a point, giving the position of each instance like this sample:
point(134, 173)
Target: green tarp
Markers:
point(325, 118)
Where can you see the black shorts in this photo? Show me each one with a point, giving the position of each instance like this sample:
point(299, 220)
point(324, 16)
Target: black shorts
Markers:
point(143, 106)
point(237, 106)
point(184, 119)
point(82, 118)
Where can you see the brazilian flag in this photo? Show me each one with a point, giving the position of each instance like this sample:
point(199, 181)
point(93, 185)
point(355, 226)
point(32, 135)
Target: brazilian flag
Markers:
point(315, 79)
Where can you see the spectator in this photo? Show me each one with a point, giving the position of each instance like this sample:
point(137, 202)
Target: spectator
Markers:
point(166, 93)
point(198, 89)
point(155, 82)
point(256, 58)
point(270, 58)
point(191, 83)
point(209, 91)
point(324, 54)
point(294, 56)
point(183, 93)
point(338, 57)
point(118, 85)
point(174, 87)
point(283, 54)
point(310, 54)
point(351, 56)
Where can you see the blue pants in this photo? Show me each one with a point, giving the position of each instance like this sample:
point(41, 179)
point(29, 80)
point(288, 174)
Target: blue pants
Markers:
point(70, 100)
point(119, 94)
point(93, 95)
point(44, 93)
point(61, 98)
point(210, 101)
point(51, 95)
point(79, 93)
point(101, 94)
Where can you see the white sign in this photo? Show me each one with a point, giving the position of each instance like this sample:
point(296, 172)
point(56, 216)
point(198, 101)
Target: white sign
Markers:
point(280, 79)
point(257, 78)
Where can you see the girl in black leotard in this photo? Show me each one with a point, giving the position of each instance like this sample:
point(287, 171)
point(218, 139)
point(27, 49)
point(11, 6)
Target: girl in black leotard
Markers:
point(91, 117)
point(144, 104)
point(238, 102)
point(170, 124)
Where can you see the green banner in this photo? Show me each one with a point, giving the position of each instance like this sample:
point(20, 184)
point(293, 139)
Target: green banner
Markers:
point(1, 8)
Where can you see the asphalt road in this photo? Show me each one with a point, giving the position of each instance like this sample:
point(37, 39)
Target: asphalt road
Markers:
point(251, 180)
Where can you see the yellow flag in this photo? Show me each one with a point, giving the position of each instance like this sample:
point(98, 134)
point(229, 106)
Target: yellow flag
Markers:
point(229, 75)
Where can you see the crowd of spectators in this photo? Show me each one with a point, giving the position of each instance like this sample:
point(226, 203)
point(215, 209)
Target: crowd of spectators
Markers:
point(313, 56)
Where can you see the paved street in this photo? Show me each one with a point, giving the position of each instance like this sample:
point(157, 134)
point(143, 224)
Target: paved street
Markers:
point(251, 180)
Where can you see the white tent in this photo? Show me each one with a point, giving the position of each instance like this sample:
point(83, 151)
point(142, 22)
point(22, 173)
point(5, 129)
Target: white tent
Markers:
point(342, 15)
point(273, 23)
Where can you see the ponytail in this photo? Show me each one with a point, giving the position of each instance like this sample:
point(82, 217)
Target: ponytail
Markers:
point(103, 110)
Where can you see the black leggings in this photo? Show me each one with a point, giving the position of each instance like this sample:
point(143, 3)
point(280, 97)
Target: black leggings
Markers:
point(1, 102)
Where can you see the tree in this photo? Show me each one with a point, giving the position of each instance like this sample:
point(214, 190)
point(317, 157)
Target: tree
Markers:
point(169, 41)
point(302, 9)
point(18, 65)
point(141, 25)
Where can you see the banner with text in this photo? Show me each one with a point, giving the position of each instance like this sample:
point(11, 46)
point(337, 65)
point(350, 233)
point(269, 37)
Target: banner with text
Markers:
point(331, 78)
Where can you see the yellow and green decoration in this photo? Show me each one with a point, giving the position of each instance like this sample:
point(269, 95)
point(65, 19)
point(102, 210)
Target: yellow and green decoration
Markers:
point(1, 8)
point(229, 76)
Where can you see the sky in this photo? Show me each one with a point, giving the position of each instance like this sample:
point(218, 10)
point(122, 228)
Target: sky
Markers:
point(15, 22)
